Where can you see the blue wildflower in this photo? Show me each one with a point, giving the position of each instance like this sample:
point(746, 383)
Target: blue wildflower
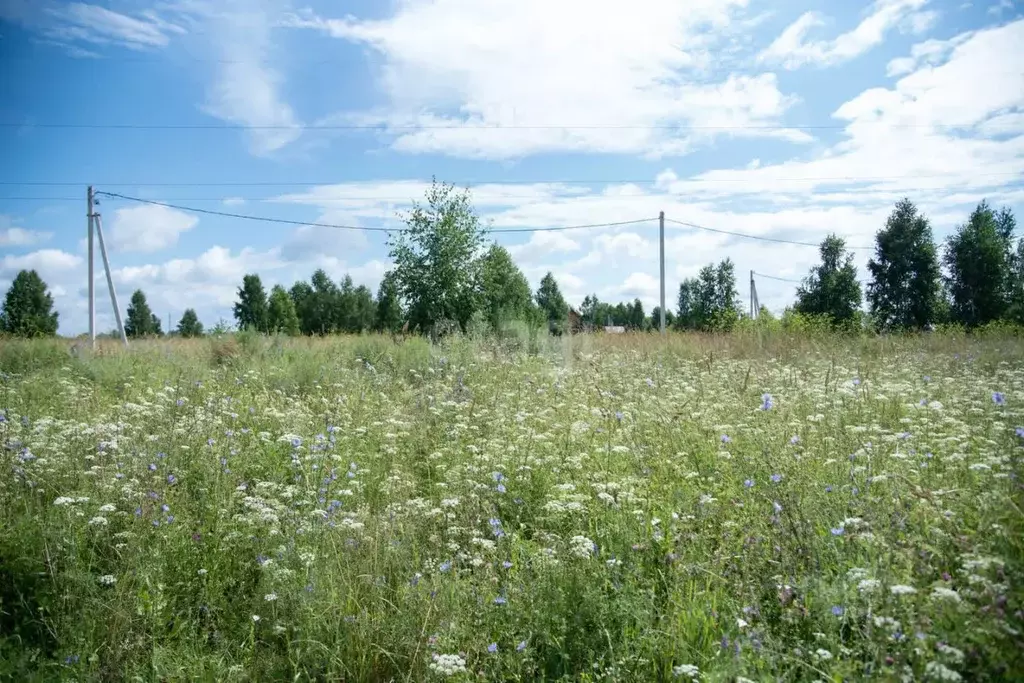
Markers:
point(445, 566)
point(500, 488)
point(492, 648)
point(171, 479)
point(618, 415)
point(766, 402)
point(837, 610)
point(998, 398)
point(838, 531)
point(856, 381)
point(1019, 432)
point(794, 440)
point(725, 438)
point(776, 478)
point(506, 564)
point(521, 646)
point(749, 483)
point(777, 506)
point(497, 476)
point(500, 600)
point(152, 467)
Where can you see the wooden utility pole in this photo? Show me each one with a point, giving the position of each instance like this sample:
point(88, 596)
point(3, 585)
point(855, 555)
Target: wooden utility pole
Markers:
point(110, 281)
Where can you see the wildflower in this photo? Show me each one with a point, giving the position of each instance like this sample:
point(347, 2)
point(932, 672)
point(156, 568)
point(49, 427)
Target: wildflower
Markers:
point(506, 564)
point(749, 483)
point(766, 402)
point(496, 527)
point(521, 646)
point(98, 521)
point(794, 440)
point(900, 589)
point(201, 572)
point(650, 382)
point(856, 381)
point(776, 478)
point(152, 467)
point(937, 671)
point(500, 600)
point(500, 488)
point(582, 547)
point(492, 648)
point(828, 489)
point(171, 479)
point(108, 508)
point(998, 398)
point(868, 585)
point(445, 566)
point(823, 654)
point(1019, 432)
point(837, 610)
point(943, 593)
point(107, 580)
point(255, 617)
point(725, 438)
point(270, 597)
point(688, 670)
point(448, 665)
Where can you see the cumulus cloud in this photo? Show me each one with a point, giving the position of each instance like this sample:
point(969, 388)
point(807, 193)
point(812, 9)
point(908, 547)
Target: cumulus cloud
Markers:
point(13, 236)
point(793, 48)
point(148, 228)
point(512, 78)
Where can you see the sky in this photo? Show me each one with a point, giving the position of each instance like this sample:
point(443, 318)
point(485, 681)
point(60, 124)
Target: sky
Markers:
point(785, 119)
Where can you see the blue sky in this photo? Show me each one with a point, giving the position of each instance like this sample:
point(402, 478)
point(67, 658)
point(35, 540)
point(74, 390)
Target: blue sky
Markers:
point(779, 119)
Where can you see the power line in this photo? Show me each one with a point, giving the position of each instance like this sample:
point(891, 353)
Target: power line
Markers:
point(558, 181)
point(781, 280)
point(753, 237)
point(383, 127)
point(267, 219)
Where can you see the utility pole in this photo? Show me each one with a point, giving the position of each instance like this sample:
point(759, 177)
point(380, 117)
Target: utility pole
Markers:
point(751, 295)
point(110, 281)
point(92, 279)
point(661, 239)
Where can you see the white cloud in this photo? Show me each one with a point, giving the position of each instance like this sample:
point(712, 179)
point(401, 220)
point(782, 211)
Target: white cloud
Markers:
point(148, 228)
point(930, 52)
point(82, 22)
point(512, 78)
point(12, 236)
point(51, 264)
point(792, 49)
point(233, 201)
point(544, 243)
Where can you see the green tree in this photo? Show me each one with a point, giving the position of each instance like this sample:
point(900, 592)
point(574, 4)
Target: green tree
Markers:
point(189, 325)
point(28, 308)
point(504, 290)
point(710, 301)
point(281, 315)
point(389, 305)
point(637, 317)
point(302, 296)
point(655, 322)
point(156, 328)
point(552, 304)
point(831, 289)
point(905, 278)
point(686, 305)
point(140, 321)
point(437, 260)
point(1016, 303)
point(251, 308)
point(363, 310)
point(978, 262)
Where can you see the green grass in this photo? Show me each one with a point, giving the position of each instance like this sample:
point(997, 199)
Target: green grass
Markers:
point(594, 508)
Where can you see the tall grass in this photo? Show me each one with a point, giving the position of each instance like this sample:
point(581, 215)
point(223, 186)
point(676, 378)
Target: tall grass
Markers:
point(761, 506)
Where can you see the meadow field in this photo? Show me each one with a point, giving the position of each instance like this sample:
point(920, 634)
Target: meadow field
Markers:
point(620, 508)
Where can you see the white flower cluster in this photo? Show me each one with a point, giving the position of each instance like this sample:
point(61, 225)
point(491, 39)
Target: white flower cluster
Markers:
point(581, 546)
point(688, 670)
point(108, 580)
point(448, 665)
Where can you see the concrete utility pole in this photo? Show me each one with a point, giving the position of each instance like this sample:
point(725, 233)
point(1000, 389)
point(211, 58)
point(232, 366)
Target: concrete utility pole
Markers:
point(92, 282)
point(751, 295)
point(110, 281)
point(661, 236)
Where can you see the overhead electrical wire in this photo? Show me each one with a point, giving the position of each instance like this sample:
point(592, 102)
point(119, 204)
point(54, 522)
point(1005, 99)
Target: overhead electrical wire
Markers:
point(780, 279)
point(752, 237)
point(268, 219)
point(384, 128)
point(462, 183)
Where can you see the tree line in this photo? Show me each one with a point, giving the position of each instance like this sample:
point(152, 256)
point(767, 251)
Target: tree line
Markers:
point(446, 277)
